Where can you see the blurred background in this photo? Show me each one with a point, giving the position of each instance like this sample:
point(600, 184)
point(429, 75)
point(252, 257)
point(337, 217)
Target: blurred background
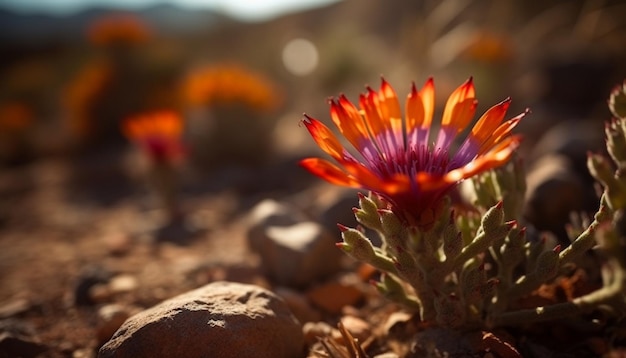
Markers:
point(239, 74)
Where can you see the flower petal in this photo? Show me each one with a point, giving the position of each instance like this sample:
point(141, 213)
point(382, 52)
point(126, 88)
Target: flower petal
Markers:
point(427, 94)
point(324, 138)
point(497, 156)
point(455, 116)
point(376, 125)
point(502, 131)
point(389, 109)
point(350, 123)
point(329, 172)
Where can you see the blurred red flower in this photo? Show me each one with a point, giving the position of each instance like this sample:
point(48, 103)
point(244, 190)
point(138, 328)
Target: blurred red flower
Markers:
point(158, 134)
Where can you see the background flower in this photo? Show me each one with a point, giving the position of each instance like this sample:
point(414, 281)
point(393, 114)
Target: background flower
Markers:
point(158, 134)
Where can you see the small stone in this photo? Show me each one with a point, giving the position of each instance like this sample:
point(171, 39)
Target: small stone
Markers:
point(269, 213)
point(14, 307)
point(222, 319)
point(357, 327)
point(314, 331)
point(110, 319)
point(89, 277)
point(17, 340)
point(333, 296)
point(123, 283)
point(397, 324)
point(300, 254)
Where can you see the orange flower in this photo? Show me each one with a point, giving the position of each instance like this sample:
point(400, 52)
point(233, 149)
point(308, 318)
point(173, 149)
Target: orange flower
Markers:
point(158, 134)
point(489, 47)
point(118, 29)
point(408, 162)
point(229, 84)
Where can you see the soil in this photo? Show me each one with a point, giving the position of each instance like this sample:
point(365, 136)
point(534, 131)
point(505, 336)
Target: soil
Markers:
point(69, 225)
point(58, 239)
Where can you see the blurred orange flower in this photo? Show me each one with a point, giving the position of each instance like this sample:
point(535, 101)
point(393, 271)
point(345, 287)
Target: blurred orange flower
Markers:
point(118, 29)
point(229, 84)
point(158, 134)
point(411, 163)
point(81, 94)
point(490, 47)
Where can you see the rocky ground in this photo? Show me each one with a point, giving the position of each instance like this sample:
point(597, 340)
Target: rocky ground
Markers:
point(76, 261)
point(73, 270)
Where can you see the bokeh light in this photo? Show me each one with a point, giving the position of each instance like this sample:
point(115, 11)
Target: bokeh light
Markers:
point(300, 57)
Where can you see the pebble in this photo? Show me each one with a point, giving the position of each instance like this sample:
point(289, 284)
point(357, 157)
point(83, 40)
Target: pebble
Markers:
point(14, 307)
point(18, 340)
point(357, 327)
point(314, 331)
point(110, 318)
point(123, 283)
point(269, 213)
point(89, 277)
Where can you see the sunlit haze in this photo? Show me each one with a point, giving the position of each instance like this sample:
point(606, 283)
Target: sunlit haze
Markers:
point(243, 9)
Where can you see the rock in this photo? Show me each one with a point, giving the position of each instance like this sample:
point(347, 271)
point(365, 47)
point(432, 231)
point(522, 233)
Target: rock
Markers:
point(222, 319)
point(269, 213)
point(333, 296)
point(14, 307)
point(18, 346)
point(89, 277)
point(110, 318)
point(399, 324)
point(123, 283)
point(314, 331)
point(299, 254)
point(357, 327)
point(293, 250)
point(17, 339)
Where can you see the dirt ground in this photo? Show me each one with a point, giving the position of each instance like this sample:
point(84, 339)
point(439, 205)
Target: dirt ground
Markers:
point(58, 243)
point(54, 244)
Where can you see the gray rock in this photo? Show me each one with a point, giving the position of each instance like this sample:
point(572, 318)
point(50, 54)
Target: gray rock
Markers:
point(293, 250)
point(300, 254)
point(222, 319)
point(269, 213)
